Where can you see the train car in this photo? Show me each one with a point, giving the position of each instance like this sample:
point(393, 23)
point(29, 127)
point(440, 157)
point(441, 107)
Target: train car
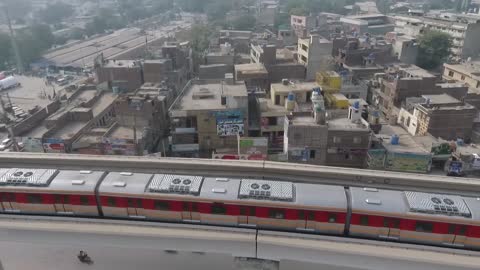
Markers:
point(416, 217)
point(233, 202)
point(49, 191)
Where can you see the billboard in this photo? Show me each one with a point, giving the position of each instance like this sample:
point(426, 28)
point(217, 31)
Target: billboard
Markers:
point(229, 123)
point(54, 146)
point(254, 148)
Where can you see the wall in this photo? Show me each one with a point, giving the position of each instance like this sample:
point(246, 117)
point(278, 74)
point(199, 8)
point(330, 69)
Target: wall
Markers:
point(217, 71)
point(408, 162)
point(36, 118)
point(286, 71)
point(348, 152)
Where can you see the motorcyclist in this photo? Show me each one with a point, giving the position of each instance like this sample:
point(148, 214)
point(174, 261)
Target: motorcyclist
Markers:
point(83, 255)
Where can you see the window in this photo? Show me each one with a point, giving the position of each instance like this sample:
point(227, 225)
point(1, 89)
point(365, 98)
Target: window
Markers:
point(276, 213)
point(332, 218)
point(34, 198)
point(304, 59)
point(161, 205)
point(111, 201)
point(277, 99)
point(364, 220)
point(312, 154)
point(393, 223)
point(301, 214)
point(357, 140)
point(134, 203)
point(58, 199)
point(311, 215)
point(457, 229)
point(272, 121)
point(7, 197)
point(83, 200)
point(424, 227)
point(478, 84)
point(247, 211)
point(463, 77)
point(337, 139)
point(219, 209)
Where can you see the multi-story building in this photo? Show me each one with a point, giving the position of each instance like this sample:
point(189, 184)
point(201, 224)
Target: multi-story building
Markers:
point(463, 28)
point(124, 72)
point(440, 115)
point(334, 142)
point(302, 25)
point(375, 24)
point(266, 11)
point(315, 53)
point(403, 81)
point(469, 74)
point(404, 47)
point(208, 115)
point(280, 63)
point(254, 75)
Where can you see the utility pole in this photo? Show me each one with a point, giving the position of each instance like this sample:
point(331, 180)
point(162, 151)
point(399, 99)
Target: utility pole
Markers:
point(18, 58)
point(9, 125)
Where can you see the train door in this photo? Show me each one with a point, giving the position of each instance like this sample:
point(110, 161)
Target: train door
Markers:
point(59, 203)
point(393, 225)
point(190, 211)
point(301, 219)
point(8, 200)
point(310, 220)
point(460, 234)
point(133, 205)
point(243, 217)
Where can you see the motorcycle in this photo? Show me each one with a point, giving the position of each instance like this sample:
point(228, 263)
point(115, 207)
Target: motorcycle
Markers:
point(84, 258)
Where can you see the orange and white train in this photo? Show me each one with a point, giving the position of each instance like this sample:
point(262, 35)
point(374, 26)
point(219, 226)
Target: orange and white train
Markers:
point(405, 216)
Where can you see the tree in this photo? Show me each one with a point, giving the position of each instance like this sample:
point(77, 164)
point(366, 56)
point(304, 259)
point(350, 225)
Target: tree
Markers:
point(55, 13)
point(434, 49)
point(5, 50)
point(245, 22)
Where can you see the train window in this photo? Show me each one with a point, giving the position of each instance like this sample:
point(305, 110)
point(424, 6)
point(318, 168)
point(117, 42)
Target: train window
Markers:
point(186, 206)
point(111, 201)
point(332, 218)
point(247, 211)
point(58, 199)
point(161, 205)
point(301, 214)
point(194, 207)
point(393, 223)
point(311, 215)
point(364, 220)
point(83, 200)
point(134, 203)
point(276, 213)
point(66, 199)
point(219, 209)
point(452, 228)
point(424, 227)
point(34, 198)
point(461, 230)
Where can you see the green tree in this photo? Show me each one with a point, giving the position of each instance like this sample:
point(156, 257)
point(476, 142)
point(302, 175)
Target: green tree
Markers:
point(5, 50)
point(55, 12)
point(245, 22)
point(434, 49)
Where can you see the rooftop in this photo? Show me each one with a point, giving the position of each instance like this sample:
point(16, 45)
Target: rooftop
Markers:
point(253, 68)
point(206, 95)
point(69, 130)
point(121, 64)
point(346, 124)
point(105, 101)
point(406, 143)
point(123, 132)
point(441, 99)
point(293, 87)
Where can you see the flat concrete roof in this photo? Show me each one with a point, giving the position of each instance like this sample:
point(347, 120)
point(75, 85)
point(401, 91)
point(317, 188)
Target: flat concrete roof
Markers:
point(214, 91)
point(123, 132)
point(406, 142)
point(121, 64)
point(253, 68)
point(346, 124)
point(303, 121)
point(103, 103)
point(69, 130)
point(295, 87)
point(441, 99)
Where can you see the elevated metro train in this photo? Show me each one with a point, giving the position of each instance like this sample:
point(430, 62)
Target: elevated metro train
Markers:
point(404, 216)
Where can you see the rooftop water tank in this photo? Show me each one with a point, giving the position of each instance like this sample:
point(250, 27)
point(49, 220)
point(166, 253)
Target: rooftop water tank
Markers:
point(395, 140)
